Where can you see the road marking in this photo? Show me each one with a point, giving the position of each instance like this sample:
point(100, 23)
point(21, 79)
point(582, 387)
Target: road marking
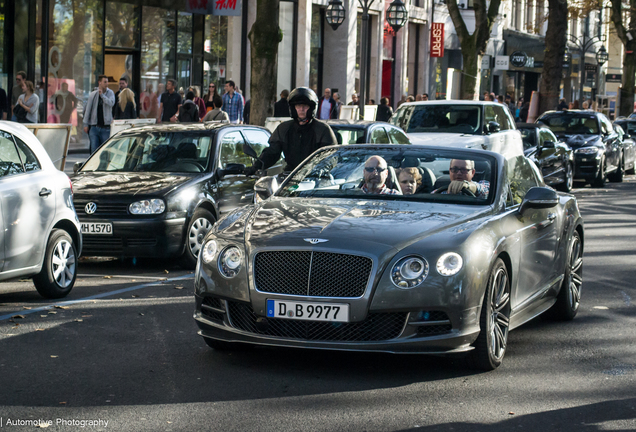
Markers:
point(96, 296)
point(124, 277)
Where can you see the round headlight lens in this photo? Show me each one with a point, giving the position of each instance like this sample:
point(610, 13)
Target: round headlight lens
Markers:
point(209, 251)
point(152, 206)
point(230, 261)
point(449, 264)
point(409, 272)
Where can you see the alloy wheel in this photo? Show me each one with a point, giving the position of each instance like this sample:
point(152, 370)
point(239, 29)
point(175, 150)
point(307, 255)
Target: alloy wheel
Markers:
point(499, 314)
point(197, 233)
point(63, 263)
point(575, 282)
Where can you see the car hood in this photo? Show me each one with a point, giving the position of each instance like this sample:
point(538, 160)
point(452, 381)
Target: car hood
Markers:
point(127, 183)
point(580, 140)
point(369, 226)
point(447, 139)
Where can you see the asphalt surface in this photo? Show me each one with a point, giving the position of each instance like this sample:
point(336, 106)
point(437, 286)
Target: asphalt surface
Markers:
point(122, 348)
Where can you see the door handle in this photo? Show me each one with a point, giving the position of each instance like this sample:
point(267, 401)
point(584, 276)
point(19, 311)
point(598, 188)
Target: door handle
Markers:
point(45, 192)
point(551, 216)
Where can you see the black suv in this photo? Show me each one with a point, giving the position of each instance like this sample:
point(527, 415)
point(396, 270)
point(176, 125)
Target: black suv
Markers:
point(598, 149)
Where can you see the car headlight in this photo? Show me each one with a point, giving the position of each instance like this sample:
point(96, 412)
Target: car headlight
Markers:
point(208, 253)
point(151, 206)
point(230, 261)
point(409, 272)
point(449, 264)
point(587, 150)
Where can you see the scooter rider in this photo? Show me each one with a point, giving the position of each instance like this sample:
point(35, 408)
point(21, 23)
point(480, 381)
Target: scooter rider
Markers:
point(296, 138)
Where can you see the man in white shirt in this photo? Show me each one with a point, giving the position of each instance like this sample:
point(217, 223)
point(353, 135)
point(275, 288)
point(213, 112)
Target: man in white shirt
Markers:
point(327, 106)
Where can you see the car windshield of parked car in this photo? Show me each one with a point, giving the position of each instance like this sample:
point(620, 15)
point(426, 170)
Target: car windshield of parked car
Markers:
point(153, 152)
point(464, 119)
point(346, 135)
point(628, 127)
point(394, 174)
point(571, 124)
point(529, 136)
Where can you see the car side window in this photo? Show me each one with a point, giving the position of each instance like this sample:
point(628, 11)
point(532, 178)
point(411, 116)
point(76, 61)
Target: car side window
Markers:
point(397, 136)
point(490, 116)
point(502, 118)
point(522, 176)
point(404, 117)
point(29, 160)
point(258, 139)
point(231, 150)
point(379, 136)
point(10, 163)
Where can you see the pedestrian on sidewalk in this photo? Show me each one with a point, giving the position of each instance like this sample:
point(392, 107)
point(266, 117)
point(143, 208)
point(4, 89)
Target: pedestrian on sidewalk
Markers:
point(126, 108)
point(98, 114)
point(29, 104)
point(216, 114)
point(170, 102)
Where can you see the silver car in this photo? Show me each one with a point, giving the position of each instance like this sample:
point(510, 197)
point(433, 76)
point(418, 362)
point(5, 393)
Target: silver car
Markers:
point(39, 230)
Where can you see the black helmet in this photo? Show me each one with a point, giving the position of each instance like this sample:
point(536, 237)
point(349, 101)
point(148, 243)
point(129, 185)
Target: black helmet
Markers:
point(303, 95)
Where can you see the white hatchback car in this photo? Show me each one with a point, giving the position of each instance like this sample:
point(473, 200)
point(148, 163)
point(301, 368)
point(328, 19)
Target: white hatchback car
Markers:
point(460, 123)
point(40, 233)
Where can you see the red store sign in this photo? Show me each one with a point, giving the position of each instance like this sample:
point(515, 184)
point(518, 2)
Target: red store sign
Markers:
point(437, 40)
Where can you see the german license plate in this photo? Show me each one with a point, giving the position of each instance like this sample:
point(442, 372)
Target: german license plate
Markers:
point(308, 311)
point(100, 228)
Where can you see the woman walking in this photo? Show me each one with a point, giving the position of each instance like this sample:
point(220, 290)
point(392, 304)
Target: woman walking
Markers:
point(209, 97)
point(29, 102)
point(126, 108)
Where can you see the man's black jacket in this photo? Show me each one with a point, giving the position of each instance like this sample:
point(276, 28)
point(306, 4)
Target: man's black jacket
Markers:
point(296, 142)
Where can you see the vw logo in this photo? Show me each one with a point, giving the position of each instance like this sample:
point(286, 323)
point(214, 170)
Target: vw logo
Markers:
point(90, 208)
point(315, 241)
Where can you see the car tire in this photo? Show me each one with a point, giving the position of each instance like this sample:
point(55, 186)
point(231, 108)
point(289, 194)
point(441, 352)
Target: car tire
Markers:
point(59, 269)
point(200, 224)
point(490, 346)
point(569, 297)
point(617, 176)
point(632, 170)
point(601, 177)
point(218, 345)
point(567, 185)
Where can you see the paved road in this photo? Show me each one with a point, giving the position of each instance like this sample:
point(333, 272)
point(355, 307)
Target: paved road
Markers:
point(123, 348)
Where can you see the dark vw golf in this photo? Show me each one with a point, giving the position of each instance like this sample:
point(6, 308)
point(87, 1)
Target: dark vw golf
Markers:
point(343, 256)
point(156, 191)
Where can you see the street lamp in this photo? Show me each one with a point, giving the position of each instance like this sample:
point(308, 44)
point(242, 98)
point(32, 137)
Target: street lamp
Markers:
point(396, 16)
point(335, 14)
point(602, 56)
point(583, 45)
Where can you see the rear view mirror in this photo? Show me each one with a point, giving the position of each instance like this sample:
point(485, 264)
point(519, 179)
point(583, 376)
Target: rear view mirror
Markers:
point(265, 187)
point(77, 166)
point(539, 198)
point(493, 127)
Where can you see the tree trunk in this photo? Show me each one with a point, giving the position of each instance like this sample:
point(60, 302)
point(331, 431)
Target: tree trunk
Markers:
point(471, 60)
point(264, 36)
point(555, 40)
point(628, 84)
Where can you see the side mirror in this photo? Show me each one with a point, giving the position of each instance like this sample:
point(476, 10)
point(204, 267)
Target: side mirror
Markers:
point(627, 136)
point(493, 127)
point(539, 198)
point(265, 187)
point(249, 150)
point(231, 169)
point(549, 144)
point(77, 166)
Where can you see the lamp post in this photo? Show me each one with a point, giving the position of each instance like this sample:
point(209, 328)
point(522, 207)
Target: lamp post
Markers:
point(396, 16)
point(601, 58)
point(583, 45)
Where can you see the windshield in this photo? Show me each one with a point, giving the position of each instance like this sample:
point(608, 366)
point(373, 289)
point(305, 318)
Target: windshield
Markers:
point(571, 124)
point(628, 127)
point(153, 152)
point(393, 174)
point(529, 137)
point(445, 118)
point(348, 136)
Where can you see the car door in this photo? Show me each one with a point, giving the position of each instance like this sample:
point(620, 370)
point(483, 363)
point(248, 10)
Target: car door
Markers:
point(28, 204)
point(549, 157)
point(536, 229)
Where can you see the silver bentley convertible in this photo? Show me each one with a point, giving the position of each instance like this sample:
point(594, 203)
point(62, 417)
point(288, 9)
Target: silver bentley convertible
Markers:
point(393, 248)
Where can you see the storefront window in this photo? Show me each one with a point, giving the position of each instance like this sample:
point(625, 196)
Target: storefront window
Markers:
point(184, 48)
point(157, 57)
point(74, 59)
point(315, 56)
point(285, 47)
point(121, 25)
point(215, 52)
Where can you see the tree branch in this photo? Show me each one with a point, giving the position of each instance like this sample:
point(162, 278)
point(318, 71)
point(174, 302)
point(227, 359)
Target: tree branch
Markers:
point(458, 21)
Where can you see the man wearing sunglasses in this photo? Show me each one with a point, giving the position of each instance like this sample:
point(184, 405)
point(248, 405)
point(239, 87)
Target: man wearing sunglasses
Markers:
point(375, 175)
point(461, 175)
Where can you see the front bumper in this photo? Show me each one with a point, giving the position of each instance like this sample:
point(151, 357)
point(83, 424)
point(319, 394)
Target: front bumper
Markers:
point(380, 331)
point(151, 238)
point(586, 167)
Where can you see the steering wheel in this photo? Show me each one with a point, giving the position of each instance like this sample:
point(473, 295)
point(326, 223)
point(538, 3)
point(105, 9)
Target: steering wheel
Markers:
point(466, 192)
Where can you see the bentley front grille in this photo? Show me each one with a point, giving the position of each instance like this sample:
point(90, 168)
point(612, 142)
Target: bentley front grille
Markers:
point(307, 273)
